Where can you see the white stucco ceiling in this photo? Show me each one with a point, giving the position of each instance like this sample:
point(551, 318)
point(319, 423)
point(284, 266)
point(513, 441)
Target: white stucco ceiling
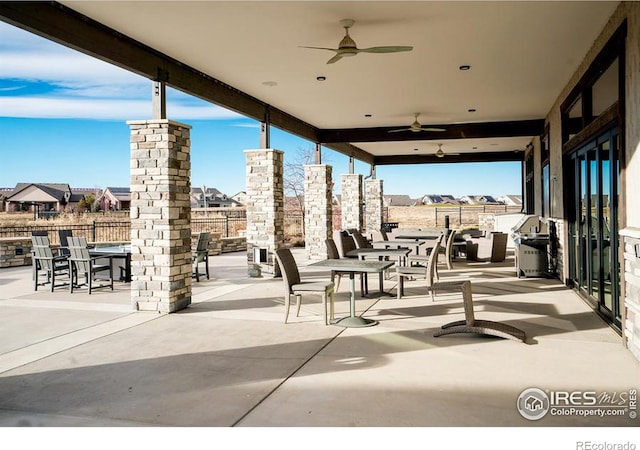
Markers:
point(521, 56)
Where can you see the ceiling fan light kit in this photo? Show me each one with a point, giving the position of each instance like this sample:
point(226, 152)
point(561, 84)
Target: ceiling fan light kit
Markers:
point(416, 127)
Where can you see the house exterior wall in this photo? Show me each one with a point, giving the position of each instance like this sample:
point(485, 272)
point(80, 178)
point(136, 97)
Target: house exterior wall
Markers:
point(630, 176)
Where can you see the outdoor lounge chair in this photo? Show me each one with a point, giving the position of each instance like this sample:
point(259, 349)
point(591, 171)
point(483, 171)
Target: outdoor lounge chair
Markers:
point(45, 261)
point(332, 253)
point(426, 271)
point(82, 263)
point(201, 255)
point(472, 325)
point(294, 286)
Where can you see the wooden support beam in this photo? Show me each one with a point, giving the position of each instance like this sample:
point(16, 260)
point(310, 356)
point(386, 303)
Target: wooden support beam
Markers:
point(515, 155)
point(453, 131)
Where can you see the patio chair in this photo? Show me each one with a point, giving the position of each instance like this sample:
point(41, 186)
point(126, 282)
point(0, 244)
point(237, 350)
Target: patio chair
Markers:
point(426, 272)
point(344, 242)
point(44, 260)
point(201, 255)
point(294, 286)
point(82, 263)
point(332, 253)
point(64, 235)
point(472, 325)
point(359, 239)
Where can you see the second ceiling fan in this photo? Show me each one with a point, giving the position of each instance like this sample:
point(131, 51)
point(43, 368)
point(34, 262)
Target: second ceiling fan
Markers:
point(347, 46)
point(417, 127)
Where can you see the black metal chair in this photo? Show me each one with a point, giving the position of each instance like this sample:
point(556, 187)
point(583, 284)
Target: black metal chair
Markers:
point(82, 263)
point(64, 235)
point(201, 255)
point(45, 261)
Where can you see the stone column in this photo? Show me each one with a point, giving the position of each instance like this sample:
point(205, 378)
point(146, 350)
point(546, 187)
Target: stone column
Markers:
point(160, 215)
point(373, 205)
point(318, 217)
point(630, 295)
point(351, 201)
point(265, 208)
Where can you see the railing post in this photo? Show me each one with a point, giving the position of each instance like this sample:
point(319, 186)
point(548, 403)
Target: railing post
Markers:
point(436, 210)
point(460, 215)
point(93, 231)
point(226, 226)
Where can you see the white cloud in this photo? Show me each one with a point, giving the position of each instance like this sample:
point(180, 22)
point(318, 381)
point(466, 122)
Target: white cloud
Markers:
point(79, 86)
point(103, 109)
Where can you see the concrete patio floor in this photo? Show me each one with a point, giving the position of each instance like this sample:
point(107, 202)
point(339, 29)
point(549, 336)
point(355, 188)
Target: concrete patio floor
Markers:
point(229, 360)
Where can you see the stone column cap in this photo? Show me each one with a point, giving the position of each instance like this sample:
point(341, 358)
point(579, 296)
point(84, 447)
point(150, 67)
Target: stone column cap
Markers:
point(157, 122)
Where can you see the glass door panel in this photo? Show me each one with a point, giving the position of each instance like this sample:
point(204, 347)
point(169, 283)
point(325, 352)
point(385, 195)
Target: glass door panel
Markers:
point(605, 231)
point(593, 226)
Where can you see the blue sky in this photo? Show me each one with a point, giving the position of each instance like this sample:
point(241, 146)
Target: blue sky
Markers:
point(63, 119)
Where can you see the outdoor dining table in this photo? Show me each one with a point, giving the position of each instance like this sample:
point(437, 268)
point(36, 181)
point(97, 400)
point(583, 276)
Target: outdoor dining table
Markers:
point(353, 266)
point(116, 251)
point(381, 254)
point(414, 244)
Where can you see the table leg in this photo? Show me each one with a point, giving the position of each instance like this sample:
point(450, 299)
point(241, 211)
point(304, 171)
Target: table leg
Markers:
point(354, 321)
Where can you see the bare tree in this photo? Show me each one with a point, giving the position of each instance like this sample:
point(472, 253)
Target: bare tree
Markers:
point(294, 175)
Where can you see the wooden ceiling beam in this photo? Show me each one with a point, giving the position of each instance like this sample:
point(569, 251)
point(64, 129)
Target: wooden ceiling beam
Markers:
point(515, 155)
point(453, 131)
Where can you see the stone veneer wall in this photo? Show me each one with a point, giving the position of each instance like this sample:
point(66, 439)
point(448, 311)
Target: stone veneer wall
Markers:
point(318, 217)
point(631, 313)
point(265, 205)
point(351, 201)
point(373, 201)
point(15, 251)
point(160, 215)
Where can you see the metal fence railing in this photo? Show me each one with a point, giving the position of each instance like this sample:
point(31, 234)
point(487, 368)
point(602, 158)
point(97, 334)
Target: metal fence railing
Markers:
point(120, 231)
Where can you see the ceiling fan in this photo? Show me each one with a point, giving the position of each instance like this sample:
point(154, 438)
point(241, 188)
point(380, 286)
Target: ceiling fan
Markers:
point(440, 153)
point(416, 127)
point(347, 46)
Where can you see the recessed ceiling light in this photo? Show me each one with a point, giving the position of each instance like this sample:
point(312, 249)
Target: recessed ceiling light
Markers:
point(415, 149)
point(367, 115)
point(475, 148)
point(464, 67)
point(472, 110)
point(321, 78)
point(269, 83)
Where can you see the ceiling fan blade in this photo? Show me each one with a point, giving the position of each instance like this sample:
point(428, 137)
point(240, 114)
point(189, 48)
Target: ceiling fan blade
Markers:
point(433, 129)
point(389, 49)
point(319, 48)
point(334, 59)
point(402, 129)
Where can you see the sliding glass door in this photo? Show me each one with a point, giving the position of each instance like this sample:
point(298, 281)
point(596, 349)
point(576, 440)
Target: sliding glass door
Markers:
point(593, 223)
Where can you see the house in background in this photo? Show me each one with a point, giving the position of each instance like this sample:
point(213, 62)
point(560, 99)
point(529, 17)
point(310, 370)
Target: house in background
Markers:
point(4, 195)
point(212, 198)
point(439, 199)
point(240, 198)
point(115, 199)
point(479, 200)
point(398, 200)
point(511, 200)
point(42, 196)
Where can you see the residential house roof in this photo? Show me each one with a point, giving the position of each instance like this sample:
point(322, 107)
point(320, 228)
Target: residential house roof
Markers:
point(399, 200)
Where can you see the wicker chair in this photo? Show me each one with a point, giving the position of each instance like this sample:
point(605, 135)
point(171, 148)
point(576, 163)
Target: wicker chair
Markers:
point(332, 253)
point(294, 286)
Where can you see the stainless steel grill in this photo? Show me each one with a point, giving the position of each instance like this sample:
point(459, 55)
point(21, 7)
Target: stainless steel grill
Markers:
point(531, 238)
